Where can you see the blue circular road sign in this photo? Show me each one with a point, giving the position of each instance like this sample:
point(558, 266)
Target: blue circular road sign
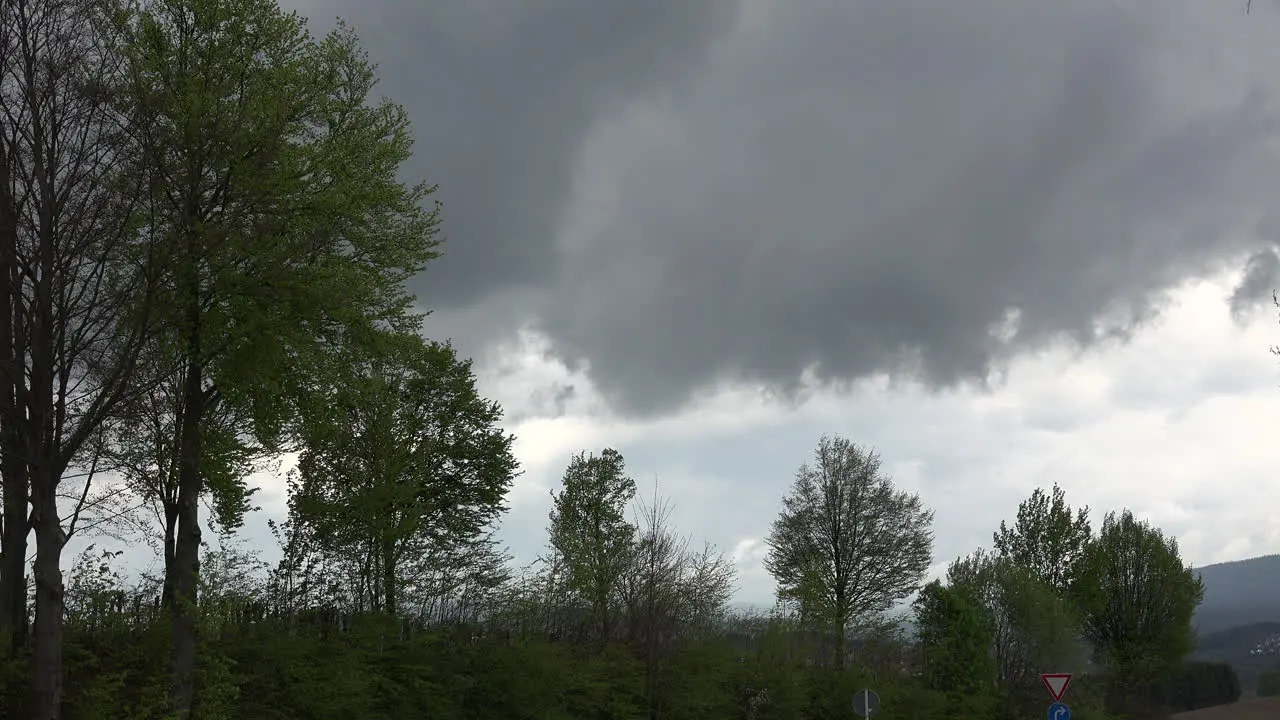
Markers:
point(1059, 711)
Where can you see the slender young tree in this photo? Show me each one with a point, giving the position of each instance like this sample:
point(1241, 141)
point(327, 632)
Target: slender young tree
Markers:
point(14, 485)
point(848, 544)
point(590, 533)
point(671, 593)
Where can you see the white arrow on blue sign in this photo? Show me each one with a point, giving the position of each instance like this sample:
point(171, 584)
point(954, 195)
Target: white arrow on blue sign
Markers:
point(1059, 711)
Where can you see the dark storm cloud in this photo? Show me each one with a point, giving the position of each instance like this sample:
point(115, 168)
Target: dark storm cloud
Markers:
point(501, 95)
point(873, 186)
point(1261, 276)
point(852, 186)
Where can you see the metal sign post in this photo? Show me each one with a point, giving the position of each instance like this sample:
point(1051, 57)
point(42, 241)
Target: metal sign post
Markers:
point(865, 702)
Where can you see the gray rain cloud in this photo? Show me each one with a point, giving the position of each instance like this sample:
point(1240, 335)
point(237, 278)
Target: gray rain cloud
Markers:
point(689, 192)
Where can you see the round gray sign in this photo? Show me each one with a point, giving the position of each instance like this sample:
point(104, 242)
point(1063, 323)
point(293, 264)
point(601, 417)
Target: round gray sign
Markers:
point(866, 702)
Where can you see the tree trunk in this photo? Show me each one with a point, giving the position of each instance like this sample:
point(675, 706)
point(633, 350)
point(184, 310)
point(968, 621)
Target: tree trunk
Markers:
point(186, 555)
point(170, 552)
point(13, 471)
point(13, 545)
point(46, 684)
point(606, 624)
point(841, 634)
point(38, 433)
point(389, 577)
point(651, 648)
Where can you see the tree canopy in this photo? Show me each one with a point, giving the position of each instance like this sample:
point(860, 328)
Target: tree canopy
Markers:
point(847, 544)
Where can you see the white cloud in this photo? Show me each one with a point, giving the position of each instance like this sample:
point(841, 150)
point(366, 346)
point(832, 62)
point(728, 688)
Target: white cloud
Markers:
point(1173, 425)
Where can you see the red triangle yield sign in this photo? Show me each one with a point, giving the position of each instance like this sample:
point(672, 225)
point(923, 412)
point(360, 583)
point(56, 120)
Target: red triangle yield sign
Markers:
point(1057, 684)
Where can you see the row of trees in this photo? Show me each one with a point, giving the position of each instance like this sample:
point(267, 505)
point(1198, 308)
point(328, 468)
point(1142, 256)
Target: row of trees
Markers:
point(622, 617)
point(1051, 595)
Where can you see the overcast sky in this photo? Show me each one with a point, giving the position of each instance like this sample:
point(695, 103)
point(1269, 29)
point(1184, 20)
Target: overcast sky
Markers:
point(1004, 243)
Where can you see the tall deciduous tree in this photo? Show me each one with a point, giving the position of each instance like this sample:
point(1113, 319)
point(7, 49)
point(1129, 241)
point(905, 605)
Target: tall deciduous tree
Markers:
point(1138, 598)
point(848, 544)
point(590, 533)
point(274, 181)
point(405, 461)
point(1047, 539)
point(76, 273)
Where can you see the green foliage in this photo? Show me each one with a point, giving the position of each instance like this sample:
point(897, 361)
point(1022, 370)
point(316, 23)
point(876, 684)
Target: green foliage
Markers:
point(142, 445)
point(589, 530)
point(847, 544)
point(1137, 598)
point(403, 463)
point(1047, 539)
point(955, 634)
point(1047, 625)
point(1033, 629)
point(276, 182)
point(285, 666)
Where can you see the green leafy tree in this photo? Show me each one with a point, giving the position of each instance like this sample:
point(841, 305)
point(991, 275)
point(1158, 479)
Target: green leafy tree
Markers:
point(1138, 598)
point(1033, 628)
point(275, 185)
point(847, 544)
point(1043, 636)
point(590, 533)
point(1047, 538)
point(955, 632)
point(405, 461)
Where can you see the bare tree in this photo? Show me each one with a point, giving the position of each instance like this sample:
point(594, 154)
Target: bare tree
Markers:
point(847, 544)
point(672, 593)
point(76, 273)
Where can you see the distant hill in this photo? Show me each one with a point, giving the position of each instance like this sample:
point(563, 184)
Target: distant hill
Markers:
point(1251, 649)
point(1239, 593)
point(1239, 620)
point(1251, 639)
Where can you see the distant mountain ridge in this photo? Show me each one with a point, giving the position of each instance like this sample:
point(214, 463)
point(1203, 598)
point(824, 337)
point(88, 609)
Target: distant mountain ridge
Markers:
point(1236, 594)
point(1244, 592)
point(1251, 649)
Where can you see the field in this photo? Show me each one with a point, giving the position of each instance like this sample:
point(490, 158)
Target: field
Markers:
point(1247, 709)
